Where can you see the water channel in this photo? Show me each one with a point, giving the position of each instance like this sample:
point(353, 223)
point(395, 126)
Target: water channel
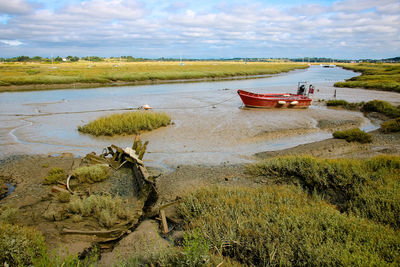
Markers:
point(209, 127)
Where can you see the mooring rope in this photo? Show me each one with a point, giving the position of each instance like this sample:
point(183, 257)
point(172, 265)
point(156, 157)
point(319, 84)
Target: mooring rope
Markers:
point(111, 109)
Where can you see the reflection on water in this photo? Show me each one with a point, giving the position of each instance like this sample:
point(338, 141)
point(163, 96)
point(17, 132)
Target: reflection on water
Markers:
point(209, 126)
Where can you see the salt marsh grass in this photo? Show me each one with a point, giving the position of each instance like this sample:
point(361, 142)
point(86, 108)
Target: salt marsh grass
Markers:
point(384, 77)
point(126, 123)
point(353, 135)
point(369, 188)
point(111, 73)
point(282, 225)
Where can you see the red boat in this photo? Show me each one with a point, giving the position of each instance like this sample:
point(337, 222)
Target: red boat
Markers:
point(299, 100)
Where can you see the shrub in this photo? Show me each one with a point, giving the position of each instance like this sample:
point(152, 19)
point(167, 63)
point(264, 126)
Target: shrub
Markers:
point(126, 123)
point(369, 188)
point(92, 174)
point(392, 126)
point(105, 208)
point(353, 135)
point(335, 103)
point(8, 214)
point(382, 107)
point(344, 104)
point(20, 245)
point(280, 225)
point(54, 175)
point(64, 197)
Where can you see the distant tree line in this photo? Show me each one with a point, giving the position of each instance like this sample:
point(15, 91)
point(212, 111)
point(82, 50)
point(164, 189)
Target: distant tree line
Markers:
point(136, 59)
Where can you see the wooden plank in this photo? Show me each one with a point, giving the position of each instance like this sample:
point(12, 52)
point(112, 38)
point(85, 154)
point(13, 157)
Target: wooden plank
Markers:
point(163, 222)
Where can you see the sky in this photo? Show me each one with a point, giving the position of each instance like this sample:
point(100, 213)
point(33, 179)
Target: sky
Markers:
point(341, 29)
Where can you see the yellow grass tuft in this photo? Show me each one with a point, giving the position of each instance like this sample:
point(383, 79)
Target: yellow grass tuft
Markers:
point(126, 123)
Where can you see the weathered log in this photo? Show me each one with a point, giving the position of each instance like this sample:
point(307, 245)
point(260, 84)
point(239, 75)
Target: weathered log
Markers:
point(58, 189)
point(164, 222)
point(91, 232)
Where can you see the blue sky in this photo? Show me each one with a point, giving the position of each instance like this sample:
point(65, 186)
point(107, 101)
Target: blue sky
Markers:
point(348, 29)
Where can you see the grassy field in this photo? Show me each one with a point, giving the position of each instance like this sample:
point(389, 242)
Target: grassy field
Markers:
point(126, 123)
point(384, 77)
point(35, 76)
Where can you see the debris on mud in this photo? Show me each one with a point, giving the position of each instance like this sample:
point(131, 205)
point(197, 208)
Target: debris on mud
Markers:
point(82, 210)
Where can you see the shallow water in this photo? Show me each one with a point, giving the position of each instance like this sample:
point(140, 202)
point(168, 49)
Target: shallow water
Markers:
point(209, 125)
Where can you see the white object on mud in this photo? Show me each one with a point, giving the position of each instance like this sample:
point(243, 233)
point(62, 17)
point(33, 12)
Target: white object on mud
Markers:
point(146, 107)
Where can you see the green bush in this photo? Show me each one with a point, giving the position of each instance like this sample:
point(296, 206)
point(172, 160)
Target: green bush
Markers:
point(382, 107)
point(105, 208)
point(344, 104)
point(55, 175)
point(8, 214)
point(64, 197)
point(281, 225)
point(92, 174)
point(20, 245)
point(126, 123)
point(353, 135)
point(392, 126)
point(369, 188)
point(335, 103)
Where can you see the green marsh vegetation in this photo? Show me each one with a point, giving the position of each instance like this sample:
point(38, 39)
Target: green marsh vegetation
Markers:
point(105, 208)
point(12, 74)
point(20, 245)
point(344, 104)
point(282, 225)
point(317, 212)
point(378, 76)
point(369, 188)
point(126, 123)
point(353, 135)
point(379, 106)
point(382, 107)
point(92, 174)
point(54, 175)
point(392, 126)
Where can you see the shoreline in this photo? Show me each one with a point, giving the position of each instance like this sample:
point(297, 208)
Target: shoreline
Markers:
point(106, 75)
point(68, 86)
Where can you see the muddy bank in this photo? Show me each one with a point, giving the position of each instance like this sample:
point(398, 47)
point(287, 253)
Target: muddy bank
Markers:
point(33, 198)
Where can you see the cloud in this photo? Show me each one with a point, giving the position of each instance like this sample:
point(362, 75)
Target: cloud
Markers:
point(15, 7)
point(11, 42)
point(158, 28)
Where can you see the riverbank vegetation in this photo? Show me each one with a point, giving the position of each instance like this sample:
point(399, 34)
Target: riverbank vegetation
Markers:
point(392, 126)
point(282, 225)
point(314, 212)
point(369, 188)
point(381, 76)
point(34, 76)
point(353, 135)
point(126, 123)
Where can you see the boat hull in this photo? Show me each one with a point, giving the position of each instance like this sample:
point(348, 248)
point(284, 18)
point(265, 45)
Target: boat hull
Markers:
point(274, 100)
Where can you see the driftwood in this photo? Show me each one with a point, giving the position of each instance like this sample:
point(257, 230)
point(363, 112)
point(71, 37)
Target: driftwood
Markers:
point(58, 189)
point(164, 222)
point(87, 232)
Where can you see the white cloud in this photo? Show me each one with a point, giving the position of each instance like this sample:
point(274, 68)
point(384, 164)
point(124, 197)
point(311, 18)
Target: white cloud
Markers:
point(138, 26)
point(12, 7)
point(11, 42)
